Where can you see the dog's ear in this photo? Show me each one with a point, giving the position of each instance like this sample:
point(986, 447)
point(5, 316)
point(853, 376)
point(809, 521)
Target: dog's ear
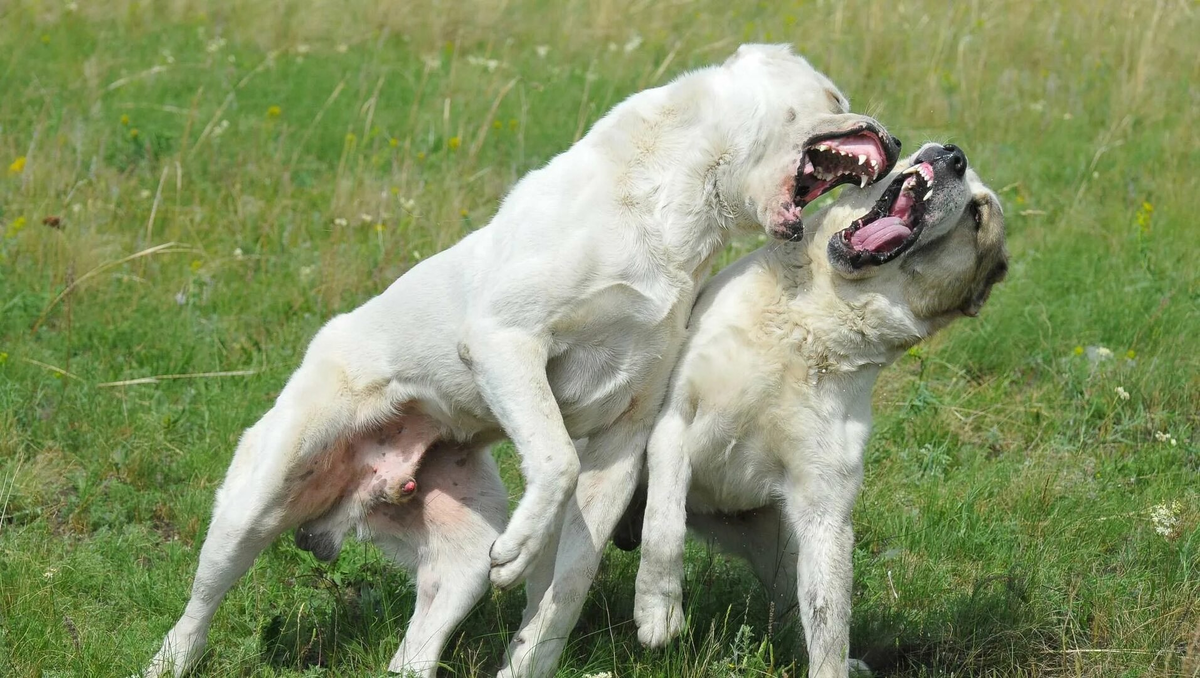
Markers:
point(981, 293)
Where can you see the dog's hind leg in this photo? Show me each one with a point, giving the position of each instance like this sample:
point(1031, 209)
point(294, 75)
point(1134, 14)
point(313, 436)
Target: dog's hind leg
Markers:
point(247, 516)
point(316, 411)
point(610, 474)
point(443, 534)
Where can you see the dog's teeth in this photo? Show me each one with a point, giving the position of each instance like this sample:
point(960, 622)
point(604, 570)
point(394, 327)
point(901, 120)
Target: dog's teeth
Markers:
point(823, 147)
point(910, 170)
point(863, 182)
point(862, 159)
point(928, 195)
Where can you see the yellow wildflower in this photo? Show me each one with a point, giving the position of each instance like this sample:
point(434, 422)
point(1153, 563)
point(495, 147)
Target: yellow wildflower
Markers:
point(513, 123)
point(393, 142)
point(350, 138)
point(196, 264)
point(3, 357)
point(379, 227)
point(1078, 350)
point(496, 124)
point(1131, 354)
point(15, 227)
point(133, 133)
point(17, 165)
point(454, 143)
point(420, 155)
point(274, 112)
point(45, 39)
point(463, 212)
point(125, 119)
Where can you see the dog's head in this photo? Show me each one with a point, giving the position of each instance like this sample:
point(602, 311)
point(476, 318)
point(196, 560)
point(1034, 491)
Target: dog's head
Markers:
point(801, 141)
point(933, 233)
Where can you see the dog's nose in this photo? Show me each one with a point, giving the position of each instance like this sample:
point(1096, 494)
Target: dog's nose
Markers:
point(958, 159)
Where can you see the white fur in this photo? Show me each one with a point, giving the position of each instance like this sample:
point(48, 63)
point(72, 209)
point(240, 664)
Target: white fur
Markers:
point(760, 442)
point(559, 320)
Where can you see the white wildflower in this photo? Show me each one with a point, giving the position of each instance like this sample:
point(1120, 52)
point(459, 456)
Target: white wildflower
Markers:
point(342, 48)
point(181, 297)
point(215, 45)
point(303, 49)
point(490, 64)
point(72, 6)
point(50, 574)
point(306, 271)
point(432, 62)
point(1122, 393)
point(340, 222)
point(1163, 437)
point(366, 218)
point(220, 128)
point(237, 253)
point(602, 674)
point(145, 194)
point(633, 43)
point(231, 59)
point(1166, 518)
point(76, 208)
point(542, 51)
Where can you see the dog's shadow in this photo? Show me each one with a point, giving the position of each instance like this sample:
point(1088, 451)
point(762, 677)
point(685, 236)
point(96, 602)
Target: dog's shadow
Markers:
point(355, 615)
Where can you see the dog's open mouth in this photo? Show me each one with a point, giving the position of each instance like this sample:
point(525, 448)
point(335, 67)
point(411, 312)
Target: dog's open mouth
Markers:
point(831, 160)
point(895, 222)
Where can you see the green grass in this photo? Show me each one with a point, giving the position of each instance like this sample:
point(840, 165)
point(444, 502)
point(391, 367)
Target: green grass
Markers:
point(1005, 526)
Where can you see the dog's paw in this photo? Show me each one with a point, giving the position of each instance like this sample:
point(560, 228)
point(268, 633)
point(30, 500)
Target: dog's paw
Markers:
point(511, 560)
point(859, 669)
point(659, 618)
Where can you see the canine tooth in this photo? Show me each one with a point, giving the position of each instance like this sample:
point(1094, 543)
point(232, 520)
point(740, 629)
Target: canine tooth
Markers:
point(928, 195)
point(823, 147)
point(862, 159)
point(910, 170)
point(863, 182)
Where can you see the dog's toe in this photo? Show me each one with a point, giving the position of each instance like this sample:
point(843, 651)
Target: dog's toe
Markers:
point(509, 566)
point(658, 619)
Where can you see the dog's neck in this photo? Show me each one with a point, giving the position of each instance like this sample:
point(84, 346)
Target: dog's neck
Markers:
point(841, 326)
point(689, 209)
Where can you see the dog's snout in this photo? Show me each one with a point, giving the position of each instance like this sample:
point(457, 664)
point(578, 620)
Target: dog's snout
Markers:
point(958, 159)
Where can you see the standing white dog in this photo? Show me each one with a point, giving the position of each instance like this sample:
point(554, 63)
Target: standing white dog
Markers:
point(760, 442)
point(559, 320)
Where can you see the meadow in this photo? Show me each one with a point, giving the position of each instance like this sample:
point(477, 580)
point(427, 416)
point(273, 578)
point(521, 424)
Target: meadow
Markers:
point(189, 189)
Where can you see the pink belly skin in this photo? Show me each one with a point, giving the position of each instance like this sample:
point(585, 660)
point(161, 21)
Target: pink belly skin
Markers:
point(338, 490)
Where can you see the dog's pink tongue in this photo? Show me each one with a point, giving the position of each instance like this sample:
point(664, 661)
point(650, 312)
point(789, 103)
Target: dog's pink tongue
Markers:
point(883, 234)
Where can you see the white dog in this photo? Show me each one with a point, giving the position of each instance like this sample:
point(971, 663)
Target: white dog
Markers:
point(760, 441)
point(559, 320)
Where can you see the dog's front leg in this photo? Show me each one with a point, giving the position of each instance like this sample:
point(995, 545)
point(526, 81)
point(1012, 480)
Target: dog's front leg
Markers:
point(819, 506)
point(509, 368)
point(658, 603)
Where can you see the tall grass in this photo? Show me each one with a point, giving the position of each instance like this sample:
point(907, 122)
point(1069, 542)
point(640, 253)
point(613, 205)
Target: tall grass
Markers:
point(189, 189)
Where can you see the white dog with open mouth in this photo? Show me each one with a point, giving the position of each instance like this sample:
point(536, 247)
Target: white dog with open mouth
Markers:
point(760, 442)
point(559, 320)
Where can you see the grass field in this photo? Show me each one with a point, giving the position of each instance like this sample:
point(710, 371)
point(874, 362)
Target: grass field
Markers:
point(191, 188)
